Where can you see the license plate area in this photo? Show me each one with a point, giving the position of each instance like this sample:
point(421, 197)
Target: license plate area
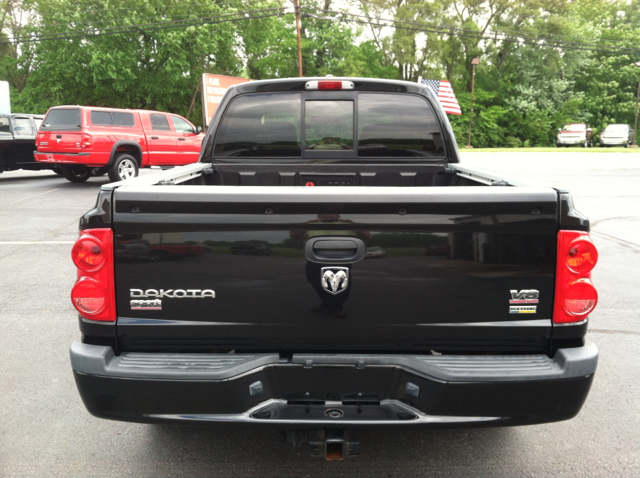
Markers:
point(334, 411)
point(328, 179)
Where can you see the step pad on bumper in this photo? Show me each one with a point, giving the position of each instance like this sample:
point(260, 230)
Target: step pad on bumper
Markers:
point(567, 363)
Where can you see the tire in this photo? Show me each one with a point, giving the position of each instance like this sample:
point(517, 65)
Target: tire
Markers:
point(76, 174)
point(125, 167)
point(57, 170)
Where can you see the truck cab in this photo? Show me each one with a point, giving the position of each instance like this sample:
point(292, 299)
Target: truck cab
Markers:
point(18, 142)
point(575, 134)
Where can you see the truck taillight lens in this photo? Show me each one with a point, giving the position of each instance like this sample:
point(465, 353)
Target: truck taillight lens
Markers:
point(85, 141)
point(87, 253)
point(93, 294)
point(329, 85)
point(576, 296)
point(88, 296)
point(582, 255)
point(580, 297)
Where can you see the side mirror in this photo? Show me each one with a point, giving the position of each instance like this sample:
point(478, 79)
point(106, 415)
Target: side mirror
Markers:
point(198, 129)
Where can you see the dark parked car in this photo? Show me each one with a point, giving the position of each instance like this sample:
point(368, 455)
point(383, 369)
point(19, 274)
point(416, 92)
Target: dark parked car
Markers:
point(18, 142)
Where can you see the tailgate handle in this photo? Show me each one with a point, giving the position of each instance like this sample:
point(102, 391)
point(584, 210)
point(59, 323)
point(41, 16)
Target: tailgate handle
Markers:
point(334, 250)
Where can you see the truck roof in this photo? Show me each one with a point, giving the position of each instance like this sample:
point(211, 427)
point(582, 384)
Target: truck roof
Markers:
point(360, 84)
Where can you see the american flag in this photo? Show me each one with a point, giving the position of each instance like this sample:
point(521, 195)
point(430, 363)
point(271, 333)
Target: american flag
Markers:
point(444, 92)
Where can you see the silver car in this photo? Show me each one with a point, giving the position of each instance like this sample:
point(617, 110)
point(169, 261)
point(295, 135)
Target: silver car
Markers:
point(617, 135)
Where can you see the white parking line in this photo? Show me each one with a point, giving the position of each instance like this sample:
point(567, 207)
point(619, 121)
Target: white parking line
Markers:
point(35, 195)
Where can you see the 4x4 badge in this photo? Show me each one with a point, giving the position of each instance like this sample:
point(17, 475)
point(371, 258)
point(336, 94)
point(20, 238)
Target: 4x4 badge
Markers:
point(334, 279)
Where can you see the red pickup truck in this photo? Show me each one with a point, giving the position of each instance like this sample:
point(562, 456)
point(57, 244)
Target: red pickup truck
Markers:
point(81, 139)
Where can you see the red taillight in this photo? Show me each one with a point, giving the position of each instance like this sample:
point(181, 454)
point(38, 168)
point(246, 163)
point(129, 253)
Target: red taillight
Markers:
point(580, 297)
point(576, 296)
point(87, 253)
point(93, 294)
point(582, 255)
point(88, 296)
point(85, 141)
point(329, 85)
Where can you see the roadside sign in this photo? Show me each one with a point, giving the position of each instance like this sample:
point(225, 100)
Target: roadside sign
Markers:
point(213, 89)
point(5, 100)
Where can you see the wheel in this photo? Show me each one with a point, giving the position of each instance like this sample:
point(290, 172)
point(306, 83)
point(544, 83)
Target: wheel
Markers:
point(125, 167)
point(76, 174)
point(99, 171)
point(57, 170)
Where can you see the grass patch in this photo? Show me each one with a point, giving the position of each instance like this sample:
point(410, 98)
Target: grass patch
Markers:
point(551, 149)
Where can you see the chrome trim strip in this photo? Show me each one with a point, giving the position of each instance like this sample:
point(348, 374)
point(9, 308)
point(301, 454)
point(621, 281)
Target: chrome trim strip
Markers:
point(247, 418)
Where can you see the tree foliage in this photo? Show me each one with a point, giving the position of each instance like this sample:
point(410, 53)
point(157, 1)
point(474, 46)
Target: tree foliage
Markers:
point(127, 53)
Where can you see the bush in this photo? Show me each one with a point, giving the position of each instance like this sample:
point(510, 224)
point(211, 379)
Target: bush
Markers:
point(512, 142)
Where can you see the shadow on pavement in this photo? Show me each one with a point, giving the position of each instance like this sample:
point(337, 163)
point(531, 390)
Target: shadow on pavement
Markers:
point(459, 452)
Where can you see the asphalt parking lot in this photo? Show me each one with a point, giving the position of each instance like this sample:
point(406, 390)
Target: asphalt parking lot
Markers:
point(46, 431)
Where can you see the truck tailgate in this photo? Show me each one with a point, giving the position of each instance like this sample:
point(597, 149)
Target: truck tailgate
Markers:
point(219, 268)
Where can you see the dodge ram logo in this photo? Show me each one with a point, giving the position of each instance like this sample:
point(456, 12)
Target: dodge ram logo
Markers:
point(334, 279)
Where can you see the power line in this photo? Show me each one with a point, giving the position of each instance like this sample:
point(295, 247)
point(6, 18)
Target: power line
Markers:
point(422, 27)
point(495, 36)
point(137, 9)
point(236, 16)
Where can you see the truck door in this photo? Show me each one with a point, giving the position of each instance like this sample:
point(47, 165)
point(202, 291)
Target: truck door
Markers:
point(25, 139)
point(188, 141)
point(161, 141)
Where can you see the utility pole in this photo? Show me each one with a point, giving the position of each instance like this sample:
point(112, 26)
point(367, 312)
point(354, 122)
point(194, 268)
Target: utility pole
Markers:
point(474, 62)
point(635, 126)
point(296, 6)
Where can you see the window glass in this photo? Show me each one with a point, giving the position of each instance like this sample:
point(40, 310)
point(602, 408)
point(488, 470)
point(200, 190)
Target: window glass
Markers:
point(101, 118)
point(617, 128)
point(123, 119)
point(181, 126)
point(397, 125)
point(22, 127)
point(575, 127)
point(4, 125)
point(328, 125)
point(62, 119)
point(159, 123)
point(268, 126)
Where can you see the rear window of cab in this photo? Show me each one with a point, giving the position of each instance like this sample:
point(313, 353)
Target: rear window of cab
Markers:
point(363, 125)
point(62, 119)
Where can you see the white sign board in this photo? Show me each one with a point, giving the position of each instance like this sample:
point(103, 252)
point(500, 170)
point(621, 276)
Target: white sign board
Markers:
point(5, 101)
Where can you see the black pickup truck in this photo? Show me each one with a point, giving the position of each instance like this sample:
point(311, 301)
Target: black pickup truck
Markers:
point(474, 314)
point(18, 142)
